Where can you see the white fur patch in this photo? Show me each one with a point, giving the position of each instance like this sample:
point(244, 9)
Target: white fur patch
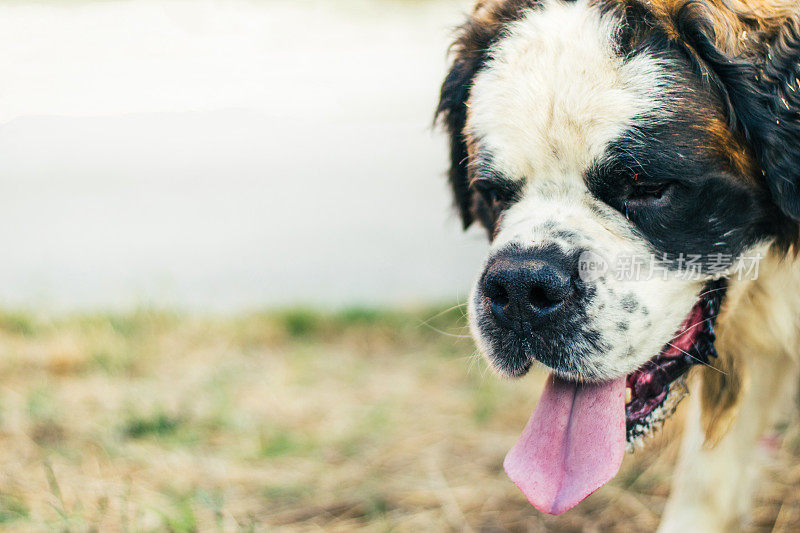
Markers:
point(555, 92)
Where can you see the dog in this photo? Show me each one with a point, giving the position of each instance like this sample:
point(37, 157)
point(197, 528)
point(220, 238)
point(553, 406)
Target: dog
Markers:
point(590, 135)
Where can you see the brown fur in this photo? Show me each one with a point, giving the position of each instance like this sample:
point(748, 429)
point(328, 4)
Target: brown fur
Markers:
point(722, 387)
point(740, 24)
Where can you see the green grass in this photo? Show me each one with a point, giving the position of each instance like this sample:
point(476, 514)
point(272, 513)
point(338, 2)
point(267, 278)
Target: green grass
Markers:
point(158, 424)
point(113, 362)
point(279, 443)
point(180, 516)
point(307, 324)
point(12, 509)
point(18, 323)
point(300, 323)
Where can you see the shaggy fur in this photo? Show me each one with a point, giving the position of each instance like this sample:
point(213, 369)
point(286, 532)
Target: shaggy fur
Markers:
point(642, 127)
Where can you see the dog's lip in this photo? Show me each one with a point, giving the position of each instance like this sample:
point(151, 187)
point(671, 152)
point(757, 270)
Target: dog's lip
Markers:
point(651, 386)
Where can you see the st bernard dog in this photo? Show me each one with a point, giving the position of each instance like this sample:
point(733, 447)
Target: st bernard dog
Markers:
point(591, 135)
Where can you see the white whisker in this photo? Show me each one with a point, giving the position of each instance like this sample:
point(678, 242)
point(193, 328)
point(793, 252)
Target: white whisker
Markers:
point(698, 360)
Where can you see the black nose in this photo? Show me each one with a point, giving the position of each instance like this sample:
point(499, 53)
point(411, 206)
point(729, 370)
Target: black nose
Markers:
point(523, 285)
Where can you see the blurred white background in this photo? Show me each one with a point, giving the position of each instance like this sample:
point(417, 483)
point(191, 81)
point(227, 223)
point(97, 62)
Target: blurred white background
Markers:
point(226, 155)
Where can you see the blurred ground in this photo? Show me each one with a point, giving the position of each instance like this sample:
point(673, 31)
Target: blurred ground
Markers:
point(289, 421)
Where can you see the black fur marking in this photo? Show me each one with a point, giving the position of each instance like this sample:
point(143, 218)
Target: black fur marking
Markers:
point(452, 111)
point(566, 235)
point(629, 303)
point(495, 192)
point(705, 208)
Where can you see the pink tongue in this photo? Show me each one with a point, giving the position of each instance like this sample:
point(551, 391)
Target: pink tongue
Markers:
point(573, 444)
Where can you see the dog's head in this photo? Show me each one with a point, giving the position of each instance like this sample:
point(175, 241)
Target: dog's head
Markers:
point(621, 154)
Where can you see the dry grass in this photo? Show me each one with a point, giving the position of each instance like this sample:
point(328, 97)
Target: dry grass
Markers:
point(290, 421)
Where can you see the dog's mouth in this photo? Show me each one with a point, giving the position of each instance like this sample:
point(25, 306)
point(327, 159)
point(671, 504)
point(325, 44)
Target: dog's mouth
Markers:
point(653, 392)
point(577, 436)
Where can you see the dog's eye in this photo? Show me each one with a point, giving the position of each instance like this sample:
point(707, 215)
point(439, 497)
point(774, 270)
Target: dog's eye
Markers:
point(491, 194)
point(643, 192)
point(495, 193)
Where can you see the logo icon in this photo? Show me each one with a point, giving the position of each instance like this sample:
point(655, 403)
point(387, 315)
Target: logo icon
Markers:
point(591, 266)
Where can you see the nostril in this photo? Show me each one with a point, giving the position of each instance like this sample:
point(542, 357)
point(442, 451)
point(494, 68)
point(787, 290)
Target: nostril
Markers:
point(496, 293)
point(548, 292)
point(500, 297)
point(539, 298)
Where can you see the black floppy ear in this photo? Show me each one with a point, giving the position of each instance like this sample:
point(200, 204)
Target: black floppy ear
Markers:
point(452, 113)
point(763, 93)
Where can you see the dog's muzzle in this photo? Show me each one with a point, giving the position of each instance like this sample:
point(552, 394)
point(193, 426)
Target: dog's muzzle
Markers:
point(524, 300)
